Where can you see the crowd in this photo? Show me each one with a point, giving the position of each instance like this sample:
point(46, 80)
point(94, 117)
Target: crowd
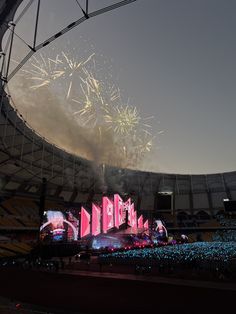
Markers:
point(225, 235)
point(33, 264)
point(208, 257)
point(189, 252)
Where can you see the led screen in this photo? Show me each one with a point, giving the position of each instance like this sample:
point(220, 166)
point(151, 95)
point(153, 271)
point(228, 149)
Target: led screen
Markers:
point(145, 225)
point(140, 222)
point(85, 223)
point(119, 211)
point(59, 226)
point(96, 219)
point(134, 219)
point(131, 215)
point(108, 214)
point(160, 231)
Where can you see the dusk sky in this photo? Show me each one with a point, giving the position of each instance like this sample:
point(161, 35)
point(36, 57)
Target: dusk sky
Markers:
point(173, 59)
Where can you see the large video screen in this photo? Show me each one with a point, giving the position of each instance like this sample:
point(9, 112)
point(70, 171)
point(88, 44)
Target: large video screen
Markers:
point(85, 223)
point(72, 224)
point(60, 226)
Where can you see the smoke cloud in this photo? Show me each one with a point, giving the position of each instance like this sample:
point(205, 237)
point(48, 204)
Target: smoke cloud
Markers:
point(50, 111)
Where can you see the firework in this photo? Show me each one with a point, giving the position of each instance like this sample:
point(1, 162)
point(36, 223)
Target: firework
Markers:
point(95, 102)
point(126, 120)
point(145, 143)
point(123, 120)
point(117, 129)
point(70, 66)
point(42, 71)
point(90, 104)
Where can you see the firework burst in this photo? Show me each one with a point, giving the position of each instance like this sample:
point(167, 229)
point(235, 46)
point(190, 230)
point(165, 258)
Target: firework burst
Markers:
point(70, 66)
point(89, 97)
point(42, 71)
point(95, 102)
point(126, 120)
point(145, 143)
point(123, 120)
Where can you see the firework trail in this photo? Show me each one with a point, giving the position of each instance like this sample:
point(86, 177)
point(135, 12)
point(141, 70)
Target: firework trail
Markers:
point(70, 66)
point(96, 100)
point(42, 71)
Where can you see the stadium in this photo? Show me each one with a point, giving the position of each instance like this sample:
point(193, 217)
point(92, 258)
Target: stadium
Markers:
point(67, 225)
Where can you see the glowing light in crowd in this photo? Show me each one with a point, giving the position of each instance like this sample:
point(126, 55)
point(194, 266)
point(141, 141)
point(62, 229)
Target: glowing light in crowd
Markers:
point(207, 254)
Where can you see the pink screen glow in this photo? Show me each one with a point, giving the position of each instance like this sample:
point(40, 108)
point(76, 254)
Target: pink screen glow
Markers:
point(134, 219)
point(96, 219)
point(131, 215)
point(85, 223)
point(108, 214)
point(145, 225)
point(140, 222)
point(119, 211)
point(127, 204)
